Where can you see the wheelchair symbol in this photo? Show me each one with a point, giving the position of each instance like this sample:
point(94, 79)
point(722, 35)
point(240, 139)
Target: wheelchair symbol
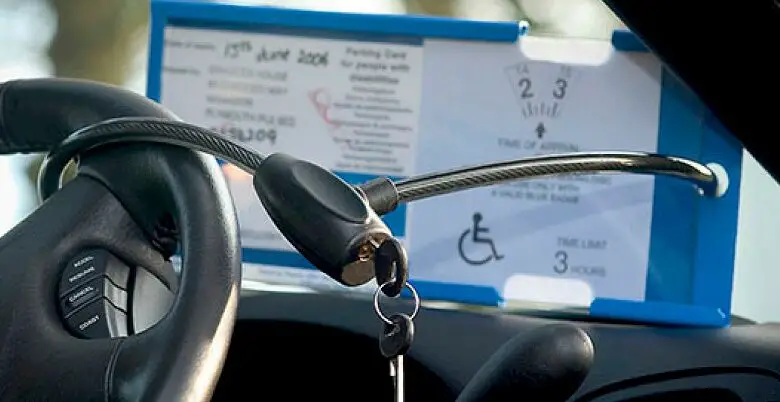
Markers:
point(476, 233)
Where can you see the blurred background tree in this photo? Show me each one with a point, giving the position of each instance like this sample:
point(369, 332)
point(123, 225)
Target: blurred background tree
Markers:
point(95, 40)
point(453, 8)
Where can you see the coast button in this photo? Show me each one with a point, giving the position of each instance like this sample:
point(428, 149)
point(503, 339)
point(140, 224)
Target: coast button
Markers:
point(98, 319)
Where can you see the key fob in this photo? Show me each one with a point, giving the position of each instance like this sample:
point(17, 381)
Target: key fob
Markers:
point(396, 338)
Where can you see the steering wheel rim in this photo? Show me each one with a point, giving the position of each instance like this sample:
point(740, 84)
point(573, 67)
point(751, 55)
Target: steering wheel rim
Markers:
point(115, 202)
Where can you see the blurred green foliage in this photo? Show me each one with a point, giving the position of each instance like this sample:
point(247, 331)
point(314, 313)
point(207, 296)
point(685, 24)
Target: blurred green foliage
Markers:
point(95, 40)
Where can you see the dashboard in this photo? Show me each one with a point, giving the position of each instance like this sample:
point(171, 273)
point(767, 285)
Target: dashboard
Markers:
point(304, 346)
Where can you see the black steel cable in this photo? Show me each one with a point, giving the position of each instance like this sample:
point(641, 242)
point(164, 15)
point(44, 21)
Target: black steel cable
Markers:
point(445, 182)
point(383, 195)
point(135, 129)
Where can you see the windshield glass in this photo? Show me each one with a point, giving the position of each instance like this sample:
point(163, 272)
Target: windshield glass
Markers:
point(107, 41)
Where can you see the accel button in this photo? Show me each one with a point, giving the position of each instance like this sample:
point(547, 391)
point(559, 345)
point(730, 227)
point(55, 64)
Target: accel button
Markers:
point(90, 264)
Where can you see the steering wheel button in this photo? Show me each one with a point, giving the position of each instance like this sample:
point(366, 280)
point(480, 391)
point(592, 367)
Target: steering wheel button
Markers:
point(83, 294)
point(94, 289)
point(90, 264)
point(117, 296)
point(98, 319)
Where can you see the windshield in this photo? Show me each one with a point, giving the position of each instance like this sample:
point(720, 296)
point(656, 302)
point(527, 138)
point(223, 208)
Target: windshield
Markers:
point(107, 41)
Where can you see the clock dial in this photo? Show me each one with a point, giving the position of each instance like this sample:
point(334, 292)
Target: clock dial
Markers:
point(541, 92)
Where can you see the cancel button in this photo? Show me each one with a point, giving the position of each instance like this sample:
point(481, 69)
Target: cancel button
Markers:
point(90, 291)
point(81, 295)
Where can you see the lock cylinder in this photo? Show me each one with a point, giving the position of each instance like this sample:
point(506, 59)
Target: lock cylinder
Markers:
point(323, 217)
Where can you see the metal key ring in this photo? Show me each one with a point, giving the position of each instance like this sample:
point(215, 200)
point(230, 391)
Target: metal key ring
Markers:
point(378, 310)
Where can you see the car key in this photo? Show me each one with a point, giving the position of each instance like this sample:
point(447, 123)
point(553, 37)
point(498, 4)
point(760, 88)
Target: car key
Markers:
point(394, 342)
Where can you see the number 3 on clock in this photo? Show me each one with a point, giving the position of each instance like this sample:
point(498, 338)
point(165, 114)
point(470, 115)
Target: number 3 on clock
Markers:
point(560, 88)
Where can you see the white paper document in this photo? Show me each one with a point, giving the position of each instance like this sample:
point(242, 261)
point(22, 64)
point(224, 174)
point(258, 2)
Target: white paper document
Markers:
point(350, 106)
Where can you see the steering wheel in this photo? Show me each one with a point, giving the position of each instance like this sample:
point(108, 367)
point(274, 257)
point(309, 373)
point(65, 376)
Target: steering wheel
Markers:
point(90, 305)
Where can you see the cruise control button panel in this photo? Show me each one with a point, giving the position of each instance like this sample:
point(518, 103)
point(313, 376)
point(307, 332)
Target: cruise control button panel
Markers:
point(93, 294)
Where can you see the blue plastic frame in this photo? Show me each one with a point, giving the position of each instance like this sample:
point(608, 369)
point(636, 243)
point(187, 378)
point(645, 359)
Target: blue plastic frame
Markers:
point(692, 288)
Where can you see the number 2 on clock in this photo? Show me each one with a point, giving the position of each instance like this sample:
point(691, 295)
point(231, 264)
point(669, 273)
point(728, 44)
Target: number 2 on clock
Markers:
point(525, 88)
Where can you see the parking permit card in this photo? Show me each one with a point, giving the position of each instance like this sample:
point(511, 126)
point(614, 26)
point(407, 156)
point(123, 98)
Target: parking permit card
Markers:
point(394, 95)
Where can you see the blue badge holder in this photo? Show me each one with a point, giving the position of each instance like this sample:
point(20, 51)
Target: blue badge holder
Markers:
point(692, 238)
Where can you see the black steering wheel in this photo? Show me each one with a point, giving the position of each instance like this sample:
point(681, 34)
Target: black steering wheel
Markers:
point(83, 277)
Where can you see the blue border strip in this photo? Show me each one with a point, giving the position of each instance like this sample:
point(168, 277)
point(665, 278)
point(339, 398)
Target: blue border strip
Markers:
point(716, 251)
point(693, 289)
point(626, 41)
point(297, 32)
point(659, 312)
point(680, 131)
point(156, 49)
point(376, 24)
